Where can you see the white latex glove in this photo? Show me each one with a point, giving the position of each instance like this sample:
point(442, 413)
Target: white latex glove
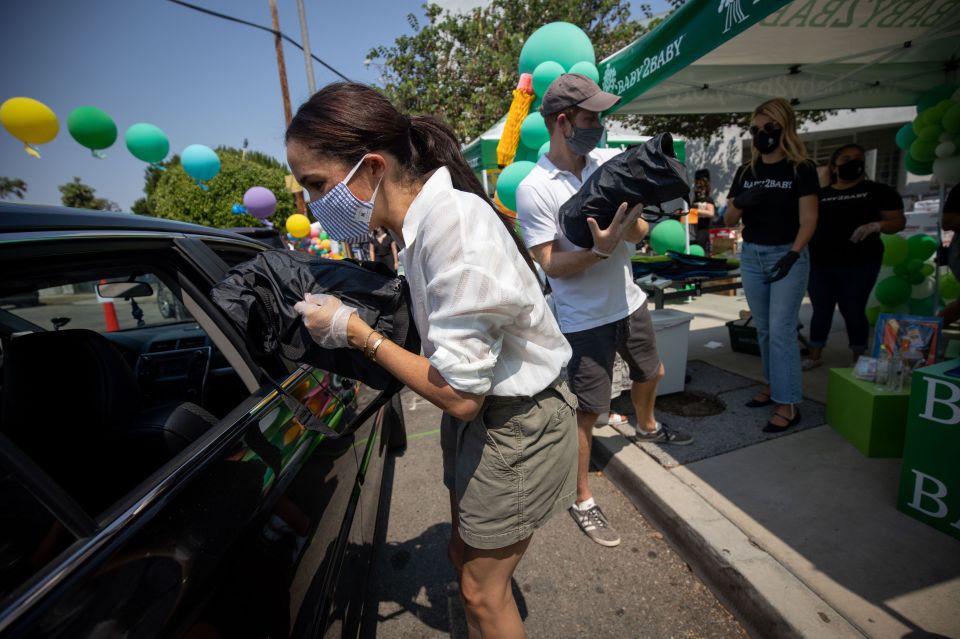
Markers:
point(326, 318)
point(605, 241)
point(863, 232)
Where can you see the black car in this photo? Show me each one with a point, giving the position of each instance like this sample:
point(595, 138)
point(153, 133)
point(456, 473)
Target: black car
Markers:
point(153, 479)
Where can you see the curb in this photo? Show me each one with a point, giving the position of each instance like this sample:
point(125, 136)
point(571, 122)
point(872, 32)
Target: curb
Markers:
point(767, 599)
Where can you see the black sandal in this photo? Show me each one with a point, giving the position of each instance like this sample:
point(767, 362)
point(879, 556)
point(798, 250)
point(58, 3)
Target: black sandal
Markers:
point(759, 403)
point(777, 428)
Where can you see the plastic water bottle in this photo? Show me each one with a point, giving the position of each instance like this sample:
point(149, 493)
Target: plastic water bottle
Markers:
point(882, 379)
point(895, 376)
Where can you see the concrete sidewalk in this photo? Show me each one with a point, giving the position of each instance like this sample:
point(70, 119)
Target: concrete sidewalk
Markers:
point(798, 534)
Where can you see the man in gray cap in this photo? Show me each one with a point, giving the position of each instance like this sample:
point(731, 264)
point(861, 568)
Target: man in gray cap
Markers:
point(600, 308)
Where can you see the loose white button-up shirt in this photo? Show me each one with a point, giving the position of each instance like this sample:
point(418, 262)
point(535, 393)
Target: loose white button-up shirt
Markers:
point(484, 323)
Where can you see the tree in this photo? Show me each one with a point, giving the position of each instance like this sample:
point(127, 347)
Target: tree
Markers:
point(463, 67)
point(12, 186)
point(78, 195)
point(176, 196)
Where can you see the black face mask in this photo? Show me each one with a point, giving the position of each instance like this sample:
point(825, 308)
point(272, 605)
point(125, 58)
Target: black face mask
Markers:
point(767, 141)
point(851, 170)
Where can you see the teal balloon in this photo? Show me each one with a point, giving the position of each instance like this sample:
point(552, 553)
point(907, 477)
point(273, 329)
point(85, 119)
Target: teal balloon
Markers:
point(935, 95)
point(560, 42)
point(917, 167)
point(544, 149)
point(92, 127)
point(526, 154)
point(510, 178)
point(696, 249)
point(951, 119)
point(668, 235)
point(533, 131)
point(200, 162)
point(894, 249)
point(920, 247)
point(147, 142)
point(905, 136)
point(588, 69)
point(923, 150)
point(545, 74)
point(893, 291)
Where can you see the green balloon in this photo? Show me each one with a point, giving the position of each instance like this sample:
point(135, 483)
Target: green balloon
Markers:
point(919, 248)
point(901, 270)
point(949, 288)
point(510, 178)
point(934, 96)
point(668, 235)
point(696, 249)
point(92, 127)
point(894, 249)
point(922, 307)
point(927, 269)
point(873, 314)
point(924, 150)
point(893, 291)
point(913, 264)
point(588, 69)
point(545, 74)
point(533, 131)
point(906, 136)
point(147, 142)
point(951, 119)
point(526, 154)
point(930, 133)
point(324, 235)
point(915, 277)
point(916, 167)
point(561, 42)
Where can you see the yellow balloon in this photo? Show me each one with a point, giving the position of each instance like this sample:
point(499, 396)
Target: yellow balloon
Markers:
point(30, 121)
point(298, 225)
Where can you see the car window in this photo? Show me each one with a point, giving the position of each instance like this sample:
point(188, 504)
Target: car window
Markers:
point(78, 305)
point(29, 535)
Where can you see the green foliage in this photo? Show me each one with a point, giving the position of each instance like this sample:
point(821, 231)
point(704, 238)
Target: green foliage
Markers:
point(12, 186)
point(462, 68)
point(78, 195)
point(176, 196)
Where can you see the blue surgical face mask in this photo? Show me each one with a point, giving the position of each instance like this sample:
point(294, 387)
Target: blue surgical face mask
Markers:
point(344, 216)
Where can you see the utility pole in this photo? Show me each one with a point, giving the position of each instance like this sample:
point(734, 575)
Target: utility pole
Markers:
point(284, 90)
point(305, 39)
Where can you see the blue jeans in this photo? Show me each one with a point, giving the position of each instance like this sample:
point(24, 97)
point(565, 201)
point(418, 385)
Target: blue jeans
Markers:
point(775, 309)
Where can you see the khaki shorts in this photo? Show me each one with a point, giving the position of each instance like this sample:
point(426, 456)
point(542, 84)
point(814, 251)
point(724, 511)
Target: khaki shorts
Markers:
point(513, 466)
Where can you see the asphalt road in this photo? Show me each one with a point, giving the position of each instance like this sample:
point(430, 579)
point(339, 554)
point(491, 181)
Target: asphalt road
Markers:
point(566, 586)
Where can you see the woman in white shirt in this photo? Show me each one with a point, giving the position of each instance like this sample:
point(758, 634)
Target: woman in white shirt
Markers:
point(492, 350)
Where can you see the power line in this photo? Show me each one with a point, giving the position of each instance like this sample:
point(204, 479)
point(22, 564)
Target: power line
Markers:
point(257, 26)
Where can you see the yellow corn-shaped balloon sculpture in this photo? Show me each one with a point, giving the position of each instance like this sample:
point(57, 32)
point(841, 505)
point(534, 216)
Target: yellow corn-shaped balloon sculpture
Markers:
point(519, 108)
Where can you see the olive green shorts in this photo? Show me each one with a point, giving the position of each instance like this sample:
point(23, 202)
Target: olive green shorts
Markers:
point(513, 466)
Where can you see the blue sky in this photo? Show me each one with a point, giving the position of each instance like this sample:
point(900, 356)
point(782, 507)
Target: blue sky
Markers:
point(201, 79)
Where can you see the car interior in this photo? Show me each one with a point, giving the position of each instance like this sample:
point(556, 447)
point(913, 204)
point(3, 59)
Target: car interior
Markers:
point(100, 387)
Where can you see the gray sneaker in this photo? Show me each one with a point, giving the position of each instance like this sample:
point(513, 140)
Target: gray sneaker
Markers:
point(594, 523)
point(665, 435)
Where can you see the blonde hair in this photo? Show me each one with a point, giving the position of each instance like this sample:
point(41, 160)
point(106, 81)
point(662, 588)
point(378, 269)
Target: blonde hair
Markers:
point(780, 111)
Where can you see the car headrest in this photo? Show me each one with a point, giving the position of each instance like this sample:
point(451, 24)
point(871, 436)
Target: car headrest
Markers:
point(70, 379)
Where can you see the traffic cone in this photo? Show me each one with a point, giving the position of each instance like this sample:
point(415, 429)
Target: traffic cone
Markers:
point(110, 314)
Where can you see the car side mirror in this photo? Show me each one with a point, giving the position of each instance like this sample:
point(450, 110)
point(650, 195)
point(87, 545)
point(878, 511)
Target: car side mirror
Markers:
point(125, 290)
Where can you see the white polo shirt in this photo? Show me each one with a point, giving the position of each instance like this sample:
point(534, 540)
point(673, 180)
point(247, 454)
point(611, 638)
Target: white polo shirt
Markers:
point(483, 321)
point(604, 292)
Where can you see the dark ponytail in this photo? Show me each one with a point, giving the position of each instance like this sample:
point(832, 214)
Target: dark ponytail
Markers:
point(347, 120)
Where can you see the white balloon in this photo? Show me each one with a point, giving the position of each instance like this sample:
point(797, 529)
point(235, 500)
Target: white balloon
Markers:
point(956, 95)
point(947, 170)
point(945, 149)
point(923, 290)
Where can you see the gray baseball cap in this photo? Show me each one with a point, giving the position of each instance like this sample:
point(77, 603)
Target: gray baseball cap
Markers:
point(576, 89)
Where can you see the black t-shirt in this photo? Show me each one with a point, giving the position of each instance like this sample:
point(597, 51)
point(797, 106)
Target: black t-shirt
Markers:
point(775, 220)
point(841, 212)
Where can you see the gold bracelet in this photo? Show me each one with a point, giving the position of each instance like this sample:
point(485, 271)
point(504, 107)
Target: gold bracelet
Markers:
point(366, 342)
point(376, 345)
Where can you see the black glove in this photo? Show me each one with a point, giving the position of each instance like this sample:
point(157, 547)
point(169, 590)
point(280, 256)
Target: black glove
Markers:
point(750, 198)
point(782, 267)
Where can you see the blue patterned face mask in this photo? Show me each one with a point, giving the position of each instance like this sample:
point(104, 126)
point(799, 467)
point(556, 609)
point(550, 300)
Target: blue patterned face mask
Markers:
point(344, 216)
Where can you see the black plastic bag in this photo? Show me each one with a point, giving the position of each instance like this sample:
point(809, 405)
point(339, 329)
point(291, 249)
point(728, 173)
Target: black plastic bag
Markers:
point(649, 173)
point(259, 296)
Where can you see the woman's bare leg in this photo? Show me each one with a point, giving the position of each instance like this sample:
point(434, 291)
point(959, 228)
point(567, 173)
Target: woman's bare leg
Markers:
point(487, 592)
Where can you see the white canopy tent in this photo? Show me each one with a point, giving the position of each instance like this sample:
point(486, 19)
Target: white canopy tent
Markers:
point(720, 56)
